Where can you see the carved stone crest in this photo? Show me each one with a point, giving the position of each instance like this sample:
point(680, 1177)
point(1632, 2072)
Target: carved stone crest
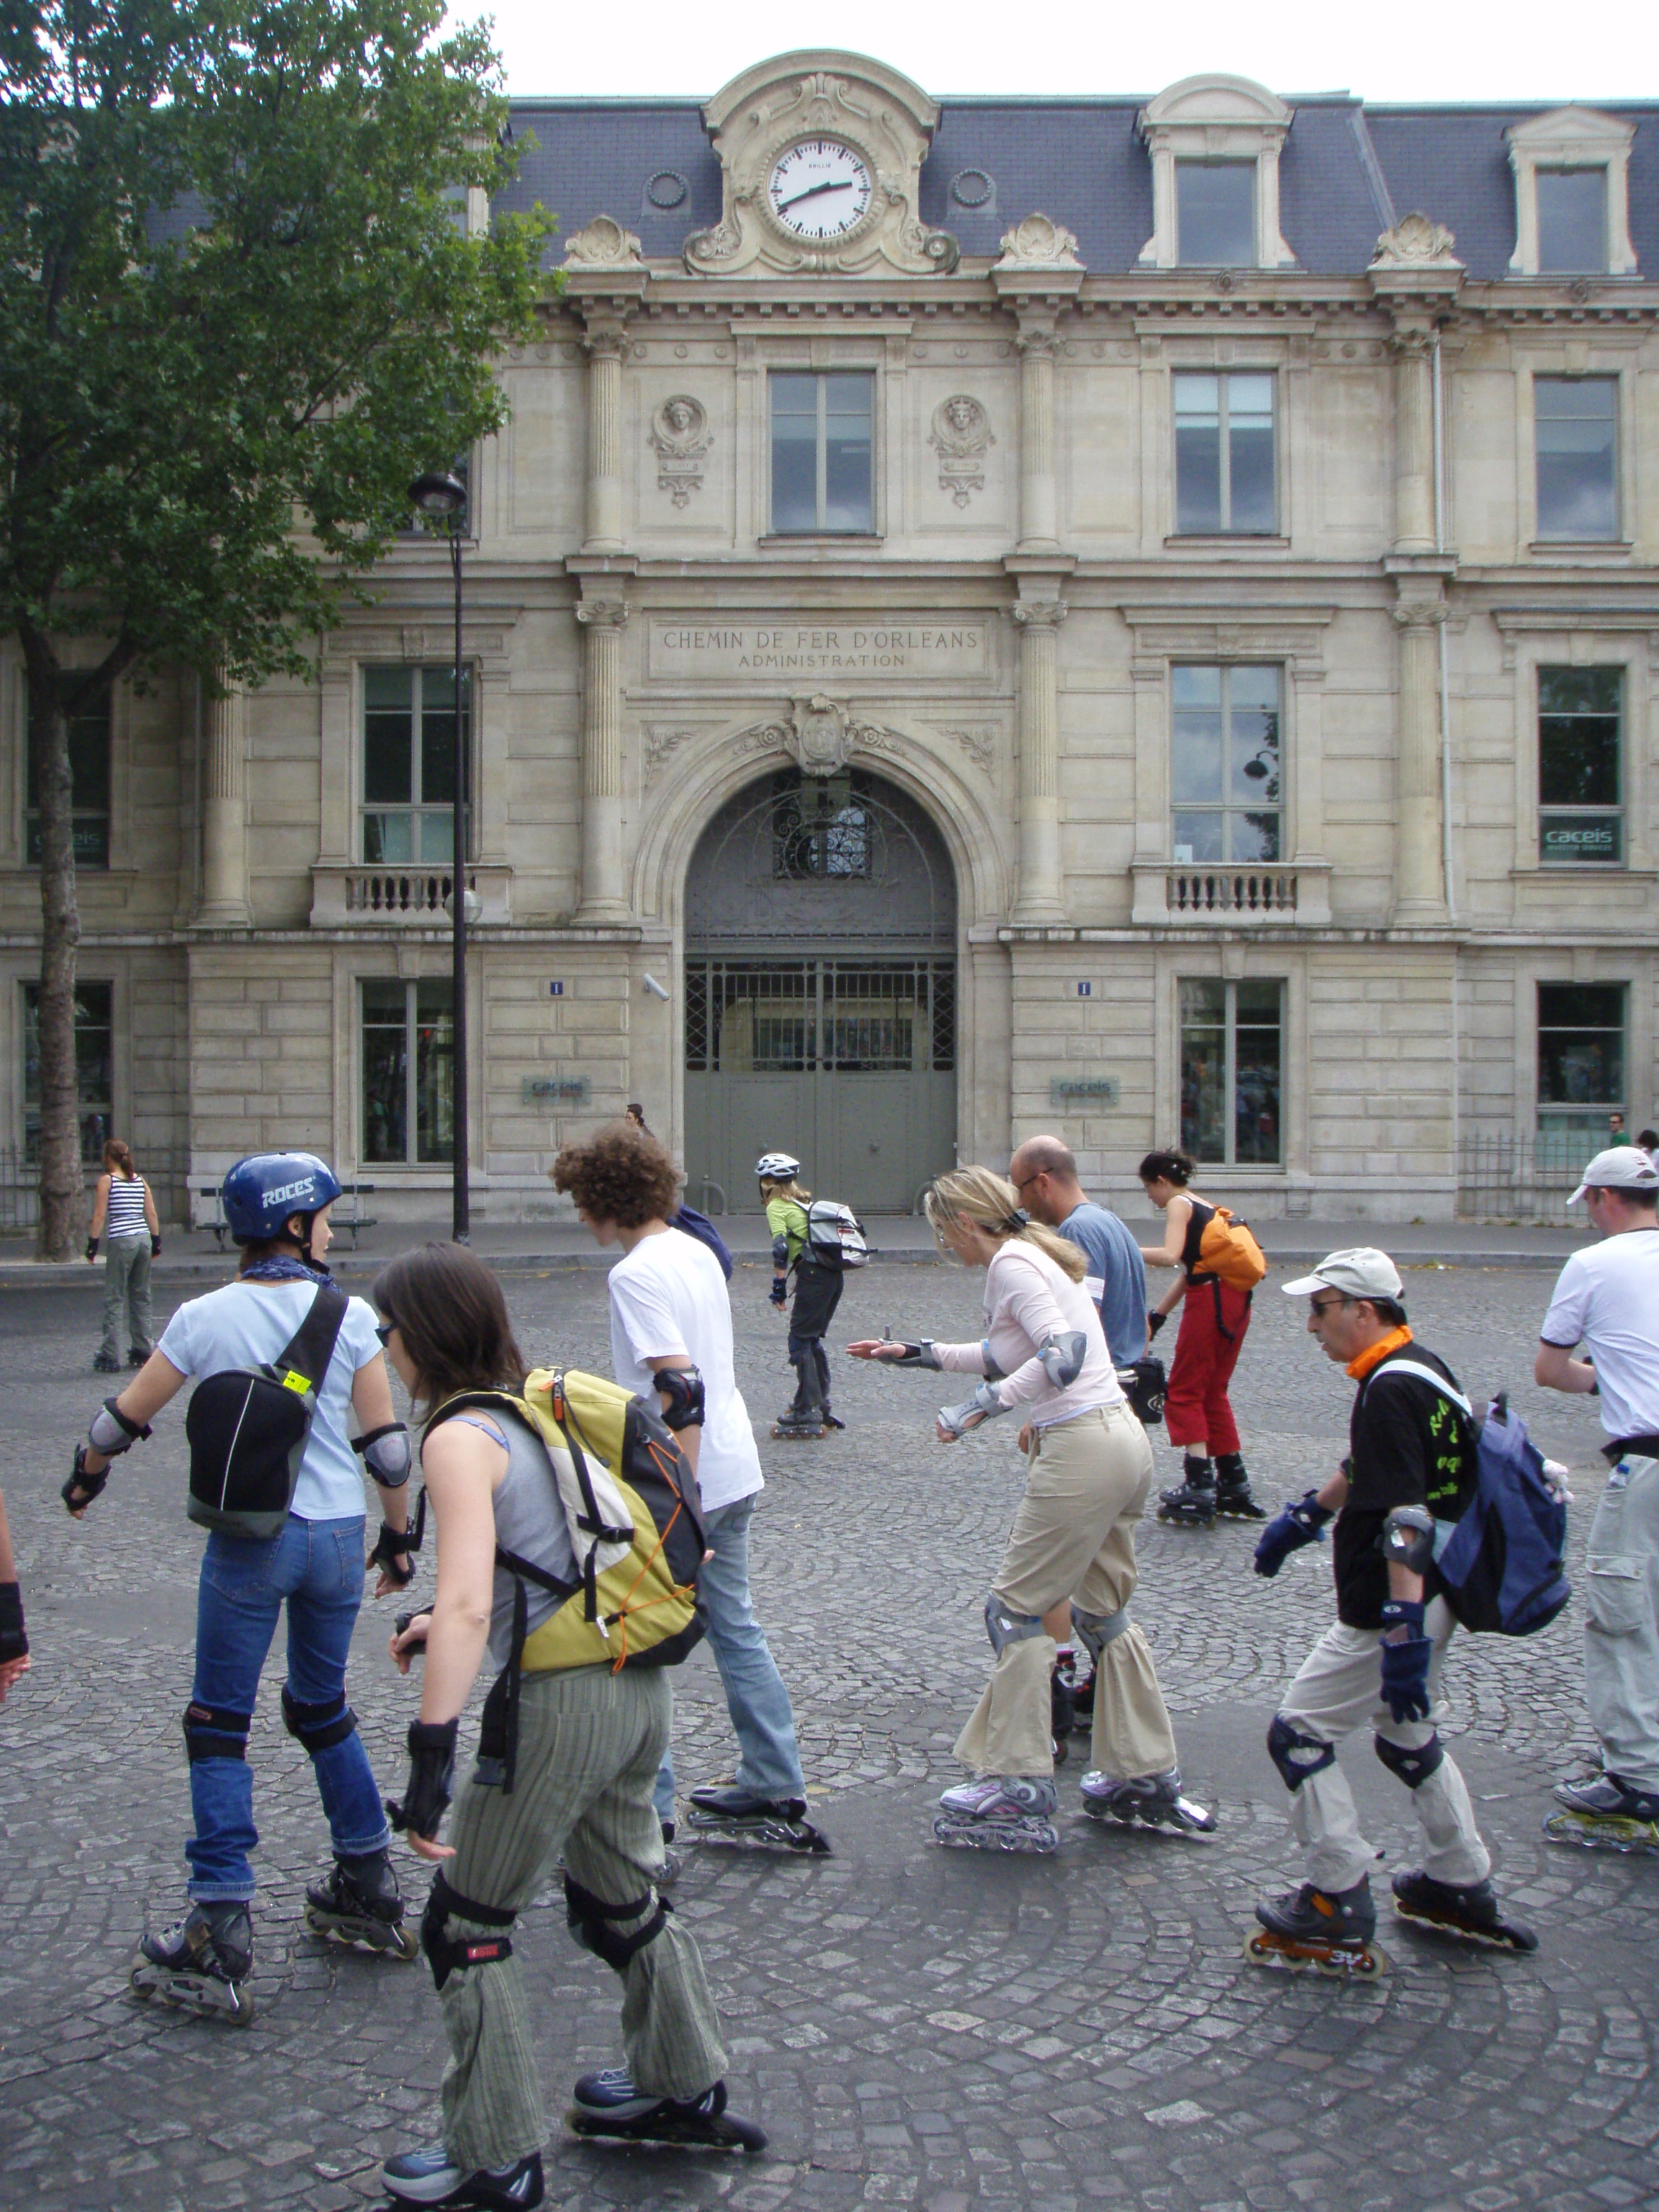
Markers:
point(824, 735)
point(602, 244)
point(1416, 242)
point(961, 432)
point(1039, 242)
point(679, 432)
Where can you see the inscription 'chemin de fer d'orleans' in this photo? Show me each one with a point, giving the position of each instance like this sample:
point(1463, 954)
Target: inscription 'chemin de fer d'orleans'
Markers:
point(857, 648)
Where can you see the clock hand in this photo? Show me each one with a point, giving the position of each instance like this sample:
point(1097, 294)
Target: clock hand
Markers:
point(840, 184)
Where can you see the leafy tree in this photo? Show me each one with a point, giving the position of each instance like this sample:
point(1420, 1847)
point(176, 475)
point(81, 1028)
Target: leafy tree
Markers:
point(237, 315)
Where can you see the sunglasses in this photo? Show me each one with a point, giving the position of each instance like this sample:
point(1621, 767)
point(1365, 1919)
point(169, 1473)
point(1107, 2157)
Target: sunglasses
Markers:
point(1327, 1305)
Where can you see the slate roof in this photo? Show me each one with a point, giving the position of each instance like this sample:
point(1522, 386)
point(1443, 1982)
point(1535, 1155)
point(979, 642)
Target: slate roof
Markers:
point(1346, 171)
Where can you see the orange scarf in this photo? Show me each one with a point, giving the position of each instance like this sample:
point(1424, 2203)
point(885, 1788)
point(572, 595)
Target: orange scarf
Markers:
point(1373, 1353)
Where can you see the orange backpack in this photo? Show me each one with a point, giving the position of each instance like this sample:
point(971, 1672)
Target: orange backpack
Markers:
point(1228, 1251)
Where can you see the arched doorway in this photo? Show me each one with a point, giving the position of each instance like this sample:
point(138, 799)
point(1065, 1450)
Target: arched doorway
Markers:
point(820, 992)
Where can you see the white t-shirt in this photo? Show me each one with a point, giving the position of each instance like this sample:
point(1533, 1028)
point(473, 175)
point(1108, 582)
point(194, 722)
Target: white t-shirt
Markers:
point(1608, 1298)
point(248, 1324)
point(669, 1301)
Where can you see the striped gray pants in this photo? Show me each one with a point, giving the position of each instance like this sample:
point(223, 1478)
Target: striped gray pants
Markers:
point(589, 1745)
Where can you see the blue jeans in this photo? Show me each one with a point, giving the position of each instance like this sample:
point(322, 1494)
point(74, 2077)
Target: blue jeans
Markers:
point(767, 1762)
point(317, 1566)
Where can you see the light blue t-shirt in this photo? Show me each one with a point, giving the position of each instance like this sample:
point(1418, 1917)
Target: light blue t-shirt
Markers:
point(1117, 1277)
point(248, 1324)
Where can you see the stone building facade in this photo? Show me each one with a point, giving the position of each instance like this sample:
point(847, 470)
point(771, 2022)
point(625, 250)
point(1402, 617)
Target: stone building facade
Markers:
point(1138, 617)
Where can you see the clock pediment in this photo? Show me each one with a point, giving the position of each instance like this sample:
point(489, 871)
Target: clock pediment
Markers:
point(884, 125)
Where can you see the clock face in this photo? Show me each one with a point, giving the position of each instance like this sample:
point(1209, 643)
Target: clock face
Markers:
point(820, 189)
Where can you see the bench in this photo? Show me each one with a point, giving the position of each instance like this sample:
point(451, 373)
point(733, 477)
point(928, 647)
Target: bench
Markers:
point(348, 1212)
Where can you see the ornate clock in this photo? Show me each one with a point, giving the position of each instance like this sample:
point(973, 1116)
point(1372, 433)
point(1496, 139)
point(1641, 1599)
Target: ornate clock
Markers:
point(819, 188)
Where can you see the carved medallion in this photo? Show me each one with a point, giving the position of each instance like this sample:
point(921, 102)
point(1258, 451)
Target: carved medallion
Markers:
point(1416, 242)
point(961, 432)
point(602, 244)
point(679, 432)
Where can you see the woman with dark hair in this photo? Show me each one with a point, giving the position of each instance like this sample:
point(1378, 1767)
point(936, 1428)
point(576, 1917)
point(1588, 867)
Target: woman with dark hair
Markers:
point(589, 1740)
point(124, 1215)
point(1197, 1411)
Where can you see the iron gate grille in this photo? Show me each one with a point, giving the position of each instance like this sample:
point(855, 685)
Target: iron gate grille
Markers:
point(840, 1016)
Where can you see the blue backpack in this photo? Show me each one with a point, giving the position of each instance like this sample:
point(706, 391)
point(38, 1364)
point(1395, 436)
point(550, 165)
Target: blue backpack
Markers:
point(1501, 1565)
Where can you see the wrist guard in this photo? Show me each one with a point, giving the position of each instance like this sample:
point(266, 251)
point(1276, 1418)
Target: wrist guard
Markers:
point(391, 1550)
point(1406, 1652)
point(112, 1433)
point(92, 1248)
point(385, 1452)
point(1154, 1323)
point(912, 1355)
point(83, 1487)
point(984, 1405)
point(154, 1248)
point(780, 1292)
point(13, 1645)
point(402, 1625)
point(683, 1387)
point(431, 1775)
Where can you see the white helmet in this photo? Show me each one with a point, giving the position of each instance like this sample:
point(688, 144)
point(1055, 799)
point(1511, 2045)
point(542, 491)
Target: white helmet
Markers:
point(777, 1167)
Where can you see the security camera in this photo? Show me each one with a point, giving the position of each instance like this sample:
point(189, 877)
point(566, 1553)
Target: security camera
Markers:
point(655, 987)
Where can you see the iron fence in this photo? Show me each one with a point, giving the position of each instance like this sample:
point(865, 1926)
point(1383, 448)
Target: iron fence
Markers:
point(166, 1174)
point(1504, 1178)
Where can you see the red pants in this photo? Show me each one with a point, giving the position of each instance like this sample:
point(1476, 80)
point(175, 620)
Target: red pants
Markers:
point(1196, 1410)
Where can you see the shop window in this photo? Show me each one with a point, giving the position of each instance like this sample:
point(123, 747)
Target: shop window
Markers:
point(1577, 451)
point(1226, 783)
point(409, 1066)
point(88, 749)
point(1580, 1061)
point(1572, 221)
point(1215, 214)
point(1224, 441)
point(409, 764)
point(94, 1067)
point(1580, 812)
point(1231, 1072)
point(823, 451)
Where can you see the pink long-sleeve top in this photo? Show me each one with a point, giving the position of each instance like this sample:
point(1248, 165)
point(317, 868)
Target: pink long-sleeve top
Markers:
point(1028, 1299)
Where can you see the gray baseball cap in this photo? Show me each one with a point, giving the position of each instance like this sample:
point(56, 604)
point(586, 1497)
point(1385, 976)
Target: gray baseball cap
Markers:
point(1621, 1166)
point(1361, 1272)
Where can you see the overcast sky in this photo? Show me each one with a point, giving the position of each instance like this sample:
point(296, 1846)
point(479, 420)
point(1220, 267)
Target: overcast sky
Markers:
point(1468, 50)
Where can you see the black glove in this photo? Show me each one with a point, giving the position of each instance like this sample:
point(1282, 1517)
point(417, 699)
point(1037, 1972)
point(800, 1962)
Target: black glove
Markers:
point(431, 1772)
point(83, 1486)
point(402, 1625)
point(779, 1289)
point(391, 1551)
point(92, 1248)
point(1288, 1531)
point(1406, 1661)
point(154, 1248)
point(1154, 1323)
point(13, 1645)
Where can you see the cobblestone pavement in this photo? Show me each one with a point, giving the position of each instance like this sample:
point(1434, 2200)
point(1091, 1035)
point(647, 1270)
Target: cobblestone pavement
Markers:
point(913, 2027)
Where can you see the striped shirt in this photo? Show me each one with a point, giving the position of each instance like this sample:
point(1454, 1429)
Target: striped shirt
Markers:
point(124, 1216)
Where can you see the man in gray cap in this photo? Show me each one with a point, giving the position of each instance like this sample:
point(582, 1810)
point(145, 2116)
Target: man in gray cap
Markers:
point(1412, 1461)
point(1606, 1297)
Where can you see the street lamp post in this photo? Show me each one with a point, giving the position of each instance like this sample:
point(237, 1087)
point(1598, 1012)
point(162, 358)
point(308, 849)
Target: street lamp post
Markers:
point(442, 497)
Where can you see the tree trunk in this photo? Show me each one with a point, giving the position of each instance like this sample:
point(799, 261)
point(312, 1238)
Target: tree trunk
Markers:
point(62, 1185)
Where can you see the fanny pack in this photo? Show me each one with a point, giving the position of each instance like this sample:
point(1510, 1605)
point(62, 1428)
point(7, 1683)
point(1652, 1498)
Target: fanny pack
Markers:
point(248, 1427)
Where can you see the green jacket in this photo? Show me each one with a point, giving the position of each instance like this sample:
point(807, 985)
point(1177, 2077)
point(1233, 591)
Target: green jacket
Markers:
point(786, 1219)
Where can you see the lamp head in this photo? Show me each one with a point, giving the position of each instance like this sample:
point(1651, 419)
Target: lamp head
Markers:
point(438, 495)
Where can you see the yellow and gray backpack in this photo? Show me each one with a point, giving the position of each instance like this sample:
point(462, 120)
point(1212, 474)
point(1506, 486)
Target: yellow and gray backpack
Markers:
point(636, 1526)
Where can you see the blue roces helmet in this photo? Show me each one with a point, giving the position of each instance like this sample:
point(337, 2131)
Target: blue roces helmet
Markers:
point(262, 1191)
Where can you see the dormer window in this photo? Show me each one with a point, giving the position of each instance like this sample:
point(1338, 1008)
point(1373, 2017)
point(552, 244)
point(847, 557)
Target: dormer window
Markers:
point(1214, 143)
point(1571, 195)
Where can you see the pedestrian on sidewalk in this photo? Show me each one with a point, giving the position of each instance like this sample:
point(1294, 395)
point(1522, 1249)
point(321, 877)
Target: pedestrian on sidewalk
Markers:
point(1412, 1461)
point(670, 1309)
point(124, 1215)
point(1215, 1318)
point(14, 1639)
point(818, 1293)
point(1070, 1558)
point(1606, 1297)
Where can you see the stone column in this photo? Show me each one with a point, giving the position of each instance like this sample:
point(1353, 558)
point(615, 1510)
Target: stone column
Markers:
point(1042, 889)
point(602, 898)
point(606, 343)
point(1419, 886)
point(1414, 435)
point(1038, 526)
point(224, 900)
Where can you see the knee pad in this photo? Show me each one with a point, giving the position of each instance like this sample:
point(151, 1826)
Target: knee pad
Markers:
point(589, 1918)
point(446, 1955)
point(1004, 1627)
point(211, 1732)
point(1297, 1755)
point(328, 1722)
point(1097, 1630)
point(1413, 1767)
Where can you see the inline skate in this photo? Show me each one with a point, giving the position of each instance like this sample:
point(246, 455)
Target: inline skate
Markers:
point(1153, 1801)
point(1460, 1909)
point(726, 1813)
point(1000, 1813)
point(1193, 1505)
point(608, 2104)
point(1605, 1814)
point(358, 1904)
point(201, 1965)
point(1334, 1931)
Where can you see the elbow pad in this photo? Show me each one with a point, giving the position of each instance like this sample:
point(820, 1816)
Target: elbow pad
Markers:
point(683, 1387)
point(984, 1405)
point(112, 1433)
point(1062, 1357)
point(780, 1250)
point(1408, 1539)
point(913, 1355)
point(385, 1452)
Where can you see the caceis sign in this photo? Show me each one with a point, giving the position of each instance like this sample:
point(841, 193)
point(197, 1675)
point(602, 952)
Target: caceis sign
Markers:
point(1573, 839)
point(768, 651)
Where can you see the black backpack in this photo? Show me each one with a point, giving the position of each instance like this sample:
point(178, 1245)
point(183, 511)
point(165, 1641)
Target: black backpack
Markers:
point(248, 1428)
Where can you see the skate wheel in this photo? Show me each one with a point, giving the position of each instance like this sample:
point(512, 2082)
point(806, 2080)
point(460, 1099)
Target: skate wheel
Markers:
point(405, 1945)
point(1371, 1963)
point(1262, 1950)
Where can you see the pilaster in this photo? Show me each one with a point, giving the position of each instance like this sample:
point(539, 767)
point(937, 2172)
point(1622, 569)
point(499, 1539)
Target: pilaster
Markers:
point(1042, 895)
point(1420, 879)
point(602, 621)
point(224, 900)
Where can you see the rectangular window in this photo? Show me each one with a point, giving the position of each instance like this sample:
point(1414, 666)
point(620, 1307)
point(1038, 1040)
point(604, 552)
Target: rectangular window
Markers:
point(823, 448)
point(1224, 477)
point(1572, 221)
point(1578, 484)
point(1215, 214)
point(1581, 1060)
point(1580, 812)
point(89, 748)
point(1230, 1072)
point(408, 1060)
point(409, 764)
point(1226, 779)
point(94, 1067)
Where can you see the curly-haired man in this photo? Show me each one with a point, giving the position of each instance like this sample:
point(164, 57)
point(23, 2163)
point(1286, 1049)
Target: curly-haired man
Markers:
point(670, 1311)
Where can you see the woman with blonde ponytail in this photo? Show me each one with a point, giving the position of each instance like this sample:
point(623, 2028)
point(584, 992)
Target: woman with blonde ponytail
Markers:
point(1070, 1560)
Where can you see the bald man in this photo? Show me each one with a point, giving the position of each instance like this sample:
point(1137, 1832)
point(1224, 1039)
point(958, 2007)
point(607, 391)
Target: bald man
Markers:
point(1044, 1173)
